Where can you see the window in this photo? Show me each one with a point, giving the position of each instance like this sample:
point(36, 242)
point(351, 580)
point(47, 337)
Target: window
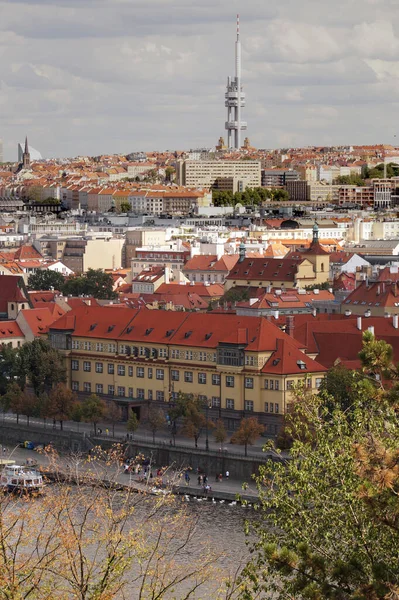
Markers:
point(99, 367)
point(75, 386)
point(87, 386)
point(140, 393)
point(142, 351)
point(215, 402)
point(159, 374)
point(318, 382)
point(121, 391)
point(130, 392)
point(202, 356)
point(99, 347)
point(130, 371)
point(111, 368)
point(111, 390)
point(229, 381)
point(271, 407)
point(290, 384)
point(175, 354)
point(163, 353)
point(121, 370)
point(215, 379)
point(86, 365)
point(271, 383)
point(201, 377)
point(150, 395)
point(149, 372)
point(189, 355)
point(160, 396)
point(276, 384)
point(99, 388)
point(75, 345)
point(174, 375)
point(75, 365)
point(111, 347)
point(309, 383)
point(140, 372)
point(250, 360)
point(266, 407)
point(230, 403)
point(249, 405)
point(276, 408)
point(233, 357)
point(87, 345)
point(188, 376)
point(249, 383)
point(266, 384)
point(122, 349)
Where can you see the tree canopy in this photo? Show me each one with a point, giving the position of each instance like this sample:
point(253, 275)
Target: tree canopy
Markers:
point(251, 196)
point(46, 280)
point(94, 283)
point(331, 511)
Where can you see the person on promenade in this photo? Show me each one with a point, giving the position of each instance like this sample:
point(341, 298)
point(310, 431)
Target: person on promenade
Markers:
point(227, 475)
point(200, 480)
point(220, 478)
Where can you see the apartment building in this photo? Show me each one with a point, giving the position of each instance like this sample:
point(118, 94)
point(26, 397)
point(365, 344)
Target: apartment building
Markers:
point(204, 173)
point(241, 366)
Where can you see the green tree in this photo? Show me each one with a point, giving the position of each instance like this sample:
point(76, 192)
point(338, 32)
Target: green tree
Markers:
point(93, 410)
point(29, 406)
point(46, 280)
point(61, 401)
point(330, 527)
point(76, 413)
point(248, 432)
point(155, 420)
point(132, 423)
point(94, 283)
point(125, 207)
point(169, 173)
point(42, 364)
point(352, 179)
point(11, 368)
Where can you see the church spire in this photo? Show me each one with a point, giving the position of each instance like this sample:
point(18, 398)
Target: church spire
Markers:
point(26, 156)
point(26, 145)
point(315, 234)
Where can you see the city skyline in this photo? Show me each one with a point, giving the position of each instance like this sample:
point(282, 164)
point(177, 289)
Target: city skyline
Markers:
point(139, 78)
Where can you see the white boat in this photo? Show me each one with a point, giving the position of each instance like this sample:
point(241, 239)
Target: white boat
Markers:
point(16, 478)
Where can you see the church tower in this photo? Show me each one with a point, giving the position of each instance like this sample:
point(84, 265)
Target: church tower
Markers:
point(26, 156)
point(319, 257)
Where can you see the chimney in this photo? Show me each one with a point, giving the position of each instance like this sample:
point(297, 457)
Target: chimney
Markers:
point(359, 323)
point(276, 314)
point(290, 325)
point(395, 321)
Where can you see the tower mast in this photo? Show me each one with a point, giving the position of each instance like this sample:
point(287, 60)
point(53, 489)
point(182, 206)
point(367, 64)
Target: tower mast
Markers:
point(235, 99)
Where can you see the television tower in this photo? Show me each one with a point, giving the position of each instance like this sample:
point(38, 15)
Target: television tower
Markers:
point(235, 100)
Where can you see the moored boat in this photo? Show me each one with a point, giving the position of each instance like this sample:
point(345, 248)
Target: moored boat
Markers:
point(24, 480)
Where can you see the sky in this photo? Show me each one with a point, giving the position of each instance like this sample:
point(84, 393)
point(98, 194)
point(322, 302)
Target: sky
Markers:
point(86, 77)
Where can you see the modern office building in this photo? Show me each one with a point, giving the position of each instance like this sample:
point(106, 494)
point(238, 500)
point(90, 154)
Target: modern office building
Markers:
point(206, 173)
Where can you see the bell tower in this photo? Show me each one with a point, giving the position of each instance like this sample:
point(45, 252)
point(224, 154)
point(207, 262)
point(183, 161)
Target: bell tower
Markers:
point(26, 156)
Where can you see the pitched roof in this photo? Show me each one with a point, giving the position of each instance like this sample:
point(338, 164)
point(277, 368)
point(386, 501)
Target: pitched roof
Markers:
point(213, 290)
point(376, 294)
point(10, 329)
point(266, 269)
point(211, 262)
point(27, 252)
point(288, 359)
point(39, 319)
point(12, 289)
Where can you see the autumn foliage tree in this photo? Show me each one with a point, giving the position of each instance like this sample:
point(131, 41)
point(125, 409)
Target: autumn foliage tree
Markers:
point(61, 402)
point(249, 431)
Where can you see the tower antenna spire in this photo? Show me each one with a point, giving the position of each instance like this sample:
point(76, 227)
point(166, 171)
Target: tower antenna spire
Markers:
point(235, 99)
point(238, 27)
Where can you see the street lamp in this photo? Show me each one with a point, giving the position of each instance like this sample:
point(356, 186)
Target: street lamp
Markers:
point(207, 407)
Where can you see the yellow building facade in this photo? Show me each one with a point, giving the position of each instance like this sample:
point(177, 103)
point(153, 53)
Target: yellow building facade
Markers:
point(238, 366)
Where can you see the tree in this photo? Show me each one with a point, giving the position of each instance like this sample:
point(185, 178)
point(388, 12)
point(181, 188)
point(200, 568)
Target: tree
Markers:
point(94, 283)
point(29, 405)
point(14, 399)
point(125, 207)
point(249, 431)
point(156, 420)
point(42, 365)
point(133, 422)
point(169, 173)
point(352, 179)
point(76, 413)
point(220, 432)
point(194, 420)
point(11, 368)
point(113, 415)
point(61, 402)
point(93, 410)
point(332, 510)
point(45, 279)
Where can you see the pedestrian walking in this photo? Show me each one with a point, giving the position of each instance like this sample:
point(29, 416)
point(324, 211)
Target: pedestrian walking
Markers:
point(107, 431)
point(187, 478)
point(220, 478)
point(199, 480)
point(205, 479)
point(227, 474)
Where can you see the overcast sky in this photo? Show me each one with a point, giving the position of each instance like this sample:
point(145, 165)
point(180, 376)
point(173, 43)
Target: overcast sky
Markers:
point(98, 76)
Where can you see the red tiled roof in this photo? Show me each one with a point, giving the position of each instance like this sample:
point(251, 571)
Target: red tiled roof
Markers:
point(10, 329)
point(27, 253)
point(376, 294)
point(288, 359)
point(211, 263)
point(39, 319)
point(12, 289)
point(214, 290)
point(266, 269)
